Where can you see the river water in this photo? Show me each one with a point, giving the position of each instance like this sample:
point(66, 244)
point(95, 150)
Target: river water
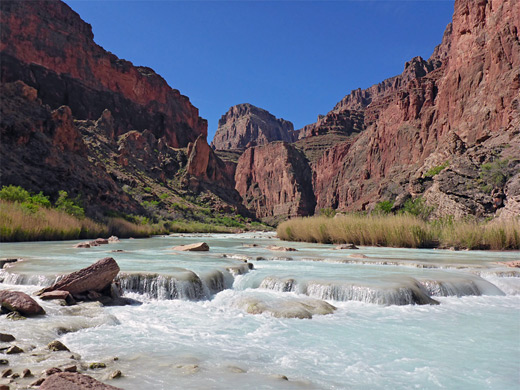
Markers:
point(403, 318)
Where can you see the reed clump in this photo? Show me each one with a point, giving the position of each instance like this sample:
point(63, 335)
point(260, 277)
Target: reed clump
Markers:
point(21, 223)
point(406, 231)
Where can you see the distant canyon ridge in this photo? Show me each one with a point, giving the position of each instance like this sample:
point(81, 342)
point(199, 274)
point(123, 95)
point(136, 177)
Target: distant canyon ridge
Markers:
point(447, 130)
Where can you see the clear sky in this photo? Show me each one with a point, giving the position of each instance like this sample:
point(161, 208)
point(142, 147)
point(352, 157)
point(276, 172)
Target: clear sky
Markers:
point(296, 59)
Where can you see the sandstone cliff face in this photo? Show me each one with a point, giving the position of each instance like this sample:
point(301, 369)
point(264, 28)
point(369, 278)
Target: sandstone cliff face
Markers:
point(46, 45)
point(468, 89)
point(245, 125)
point(275, 181)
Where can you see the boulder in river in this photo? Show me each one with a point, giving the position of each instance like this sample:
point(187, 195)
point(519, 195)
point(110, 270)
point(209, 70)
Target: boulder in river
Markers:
point(6, 338)
point(82, 245)
point(198, 246)
point(112, 239)
point(57, 345)
point(73, 381)
point(346, 246)
point(95, 277)
point(58, 294)
point(20, 302)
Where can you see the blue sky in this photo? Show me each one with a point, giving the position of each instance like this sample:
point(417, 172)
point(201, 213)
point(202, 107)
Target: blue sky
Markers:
point(296, 59)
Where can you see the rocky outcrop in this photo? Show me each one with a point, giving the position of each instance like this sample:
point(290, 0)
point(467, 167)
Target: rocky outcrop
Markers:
point(73, 381)
point(46, 45)
point(20, 302)
point(245, 125)
point(94, 278)
point(275, 180)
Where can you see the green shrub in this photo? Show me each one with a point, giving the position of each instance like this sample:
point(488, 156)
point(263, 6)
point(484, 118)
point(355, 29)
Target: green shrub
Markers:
point(384, 207)
point(494, 174)
point(40, 200)
point(70, 206)
point(417, 207)
point(12, 193)
point(436, 170)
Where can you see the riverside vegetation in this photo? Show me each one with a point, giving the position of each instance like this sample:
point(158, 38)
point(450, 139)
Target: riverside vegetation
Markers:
point(408, 229)
point(33, 217)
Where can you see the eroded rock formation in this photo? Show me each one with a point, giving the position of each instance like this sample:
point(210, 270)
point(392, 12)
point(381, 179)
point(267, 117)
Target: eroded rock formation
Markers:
point(245, 125)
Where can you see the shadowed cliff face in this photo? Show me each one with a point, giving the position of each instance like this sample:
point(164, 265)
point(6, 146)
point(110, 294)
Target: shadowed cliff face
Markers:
point(77, 118)
point(275, 181)
point(46, 45)
point(245, 125)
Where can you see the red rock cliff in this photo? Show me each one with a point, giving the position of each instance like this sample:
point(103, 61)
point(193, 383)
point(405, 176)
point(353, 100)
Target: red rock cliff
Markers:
point(275, 181)
point(46, 45)
point(469, 89)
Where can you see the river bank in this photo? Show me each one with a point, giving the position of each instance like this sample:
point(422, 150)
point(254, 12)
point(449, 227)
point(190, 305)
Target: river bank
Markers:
point(403, 231)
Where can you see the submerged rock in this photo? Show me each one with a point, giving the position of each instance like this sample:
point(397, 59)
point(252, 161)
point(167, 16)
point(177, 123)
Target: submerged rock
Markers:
point(303, 308)
point(95, 366)
point(27, 373)
point(57, 346)
point(346, 246)
point(96, 277)
point(15, 316)
point(281, 248)
point(73, 381)
point(82, 245)
point(20, 302)
point(13, 350)
point(116, 374)
point(199, 246)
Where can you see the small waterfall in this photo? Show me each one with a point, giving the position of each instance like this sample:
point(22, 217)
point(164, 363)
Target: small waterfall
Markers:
point(240, 269)
point(216, 281)
point(276, 284)
point(35, 280)
point(407, 293)
point(460, 286)
point(186, 285)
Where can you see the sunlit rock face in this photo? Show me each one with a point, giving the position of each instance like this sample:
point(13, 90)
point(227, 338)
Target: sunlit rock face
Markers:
point(246, 125)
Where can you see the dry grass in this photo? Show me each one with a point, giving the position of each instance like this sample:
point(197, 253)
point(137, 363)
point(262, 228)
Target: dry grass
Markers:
point(402, 231)
point(122, 228)
point(20, 224)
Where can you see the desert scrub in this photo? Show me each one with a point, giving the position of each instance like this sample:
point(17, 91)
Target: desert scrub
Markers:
point(437, 169)
point(404, 230)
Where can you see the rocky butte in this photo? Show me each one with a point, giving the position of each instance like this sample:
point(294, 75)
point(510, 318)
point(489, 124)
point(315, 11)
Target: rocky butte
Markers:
point(245, 125)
